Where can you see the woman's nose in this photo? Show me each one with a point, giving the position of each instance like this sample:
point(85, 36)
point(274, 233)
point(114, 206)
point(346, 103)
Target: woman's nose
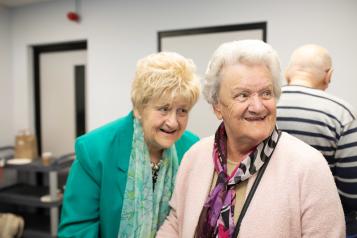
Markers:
point(171, 120)
point(256, 104)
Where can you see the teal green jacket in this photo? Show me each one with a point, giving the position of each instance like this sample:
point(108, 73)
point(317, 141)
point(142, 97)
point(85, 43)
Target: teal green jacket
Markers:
point(95, 187)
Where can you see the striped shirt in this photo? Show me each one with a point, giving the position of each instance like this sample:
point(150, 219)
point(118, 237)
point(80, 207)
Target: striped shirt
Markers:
point(329, 125)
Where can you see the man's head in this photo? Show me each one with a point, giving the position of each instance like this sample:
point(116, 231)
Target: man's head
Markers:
point(310, 65)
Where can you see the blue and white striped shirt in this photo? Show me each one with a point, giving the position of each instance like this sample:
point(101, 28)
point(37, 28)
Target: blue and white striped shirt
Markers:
point(328, 124)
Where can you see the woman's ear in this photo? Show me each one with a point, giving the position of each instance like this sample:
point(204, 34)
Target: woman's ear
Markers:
point(137, 114)
point(217, 110)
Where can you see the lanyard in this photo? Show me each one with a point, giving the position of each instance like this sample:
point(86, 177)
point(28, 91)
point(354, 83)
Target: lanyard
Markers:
point(250, 196)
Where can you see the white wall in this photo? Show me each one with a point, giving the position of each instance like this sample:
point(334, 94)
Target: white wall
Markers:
point(40, 23)
point(120, 32)
point(6, 88)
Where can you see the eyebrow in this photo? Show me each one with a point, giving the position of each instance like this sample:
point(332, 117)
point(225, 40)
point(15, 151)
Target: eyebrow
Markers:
point(166, 104)
point(239, 89)
point(162, 105)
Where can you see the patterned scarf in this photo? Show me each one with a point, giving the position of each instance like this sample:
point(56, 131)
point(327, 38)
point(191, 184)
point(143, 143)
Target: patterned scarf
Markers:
point(144, 209)
point(217, 215)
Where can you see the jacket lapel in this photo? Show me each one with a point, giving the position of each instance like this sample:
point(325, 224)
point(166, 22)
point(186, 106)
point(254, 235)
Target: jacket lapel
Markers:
point(124, 142)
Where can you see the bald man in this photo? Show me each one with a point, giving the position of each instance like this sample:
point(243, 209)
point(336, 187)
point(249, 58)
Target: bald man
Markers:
point(323, 121)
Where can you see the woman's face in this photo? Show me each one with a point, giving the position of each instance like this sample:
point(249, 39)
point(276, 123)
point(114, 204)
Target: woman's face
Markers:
point(163, 123)
point(246, 104)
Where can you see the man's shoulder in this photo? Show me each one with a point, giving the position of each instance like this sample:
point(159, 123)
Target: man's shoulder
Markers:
point(318, 99)
point(346, 108)
point(338, 100)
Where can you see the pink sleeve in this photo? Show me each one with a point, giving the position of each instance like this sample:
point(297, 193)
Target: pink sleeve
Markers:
point(170, 228)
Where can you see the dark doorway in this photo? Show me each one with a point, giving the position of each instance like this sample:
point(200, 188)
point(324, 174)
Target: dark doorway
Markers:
point(79, 85)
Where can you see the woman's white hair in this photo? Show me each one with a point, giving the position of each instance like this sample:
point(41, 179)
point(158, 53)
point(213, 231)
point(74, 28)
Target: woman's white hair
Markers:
point(240, 52)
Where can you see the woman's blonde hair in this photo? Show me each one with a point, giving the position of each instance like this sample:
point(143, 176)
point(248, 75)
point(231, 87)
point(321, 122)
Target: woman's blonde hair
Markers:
point(164, 74)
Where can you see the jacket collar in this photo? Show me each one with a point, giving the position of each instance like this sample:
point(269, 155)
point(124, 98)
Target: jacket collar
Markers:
point(124, 140)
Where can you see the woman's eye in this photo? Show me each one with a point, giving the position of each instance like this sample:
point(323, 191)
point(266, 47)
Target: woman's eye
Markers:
point(267, 94)
point(164, 109)
point(241, 97)
point(182, 111)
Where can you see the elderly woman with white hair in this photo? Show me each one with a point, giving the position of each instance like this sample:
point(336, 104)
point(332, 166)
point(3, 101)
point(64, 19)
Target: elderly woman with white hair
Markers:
point(123, 176)
point(250, 179)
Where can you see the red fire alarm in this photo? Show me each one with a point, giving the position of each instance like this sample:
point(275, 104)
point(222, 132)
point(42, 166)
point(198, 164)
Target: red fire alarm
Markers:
point(73, 16)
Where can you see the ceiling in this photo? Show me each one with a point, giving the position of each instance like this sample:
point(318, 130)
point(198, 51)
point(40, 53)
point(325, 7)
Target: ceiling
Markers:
point(17, 3)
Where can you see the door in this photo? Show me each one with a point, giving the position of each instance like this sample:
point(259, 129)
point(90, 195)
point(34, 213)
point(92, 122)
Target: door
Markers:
point(59, 88)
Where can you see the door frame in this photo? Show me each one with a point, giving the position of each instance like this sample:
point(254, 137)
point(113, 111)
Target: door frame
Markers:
point(212, 29)
point(37, 51)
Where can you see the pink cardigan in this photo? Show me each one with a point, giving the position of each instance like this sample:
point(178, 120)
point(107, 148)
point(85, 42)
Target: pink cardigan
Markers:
point(296, 197)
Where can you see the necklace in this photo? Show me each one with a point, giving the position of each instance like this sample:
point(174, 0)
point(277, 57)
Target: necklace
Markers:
point(155, 167)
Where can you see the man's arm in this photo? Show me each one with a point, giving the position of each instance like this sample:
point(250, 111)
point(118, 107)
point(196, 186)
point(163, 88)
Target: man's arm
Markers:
point(346, 166)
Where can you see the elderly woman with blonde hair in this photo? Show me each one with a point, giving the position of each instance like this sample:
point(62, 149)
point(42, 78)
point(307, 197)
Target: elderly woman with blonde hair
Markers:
point(123, 176)
point(250, 179)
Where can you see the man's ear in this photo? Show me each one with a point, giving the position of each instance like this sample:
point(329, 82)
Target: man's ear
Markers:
point(287, 77)
point(328, 76)
point(217, 108)
point(327, 79)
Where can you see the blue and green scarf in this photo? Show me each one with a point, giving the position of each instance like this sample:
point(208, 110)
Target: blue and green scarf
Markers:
point(144, 209)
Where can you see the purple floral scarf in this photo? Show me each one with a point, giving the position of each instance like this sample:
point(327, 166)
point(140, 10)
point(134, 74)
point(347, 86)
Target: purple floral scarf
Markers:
point(217, 215)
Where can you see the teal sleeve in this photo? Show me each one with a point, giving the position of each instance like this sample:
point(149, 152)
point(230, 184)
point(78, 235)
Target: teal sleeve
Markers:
point(80, 210)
